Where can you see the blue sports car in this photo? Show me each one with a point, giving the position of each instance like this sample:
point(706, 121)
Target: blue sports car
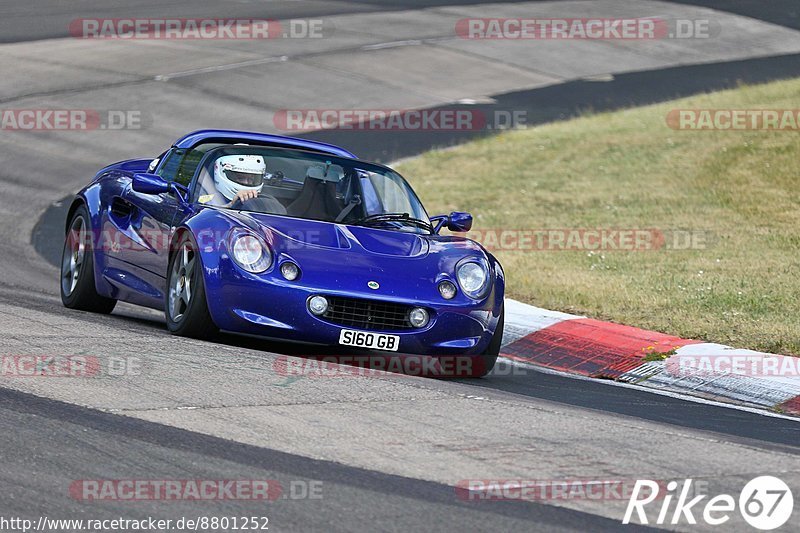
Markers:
point(283, 238)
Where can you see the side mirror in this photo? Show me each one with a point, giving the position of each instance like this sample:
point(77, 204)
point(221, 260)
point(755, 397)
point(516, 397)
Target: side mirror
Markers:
point(149, 183)
point(459, 222)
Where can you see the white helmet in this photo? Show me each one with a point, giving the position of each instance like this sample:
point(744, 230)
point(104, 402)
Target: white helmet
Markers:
point(234, 173)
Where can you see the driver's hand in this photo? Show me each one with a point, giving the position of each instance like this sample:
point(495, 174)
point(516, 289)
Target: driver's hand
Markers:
point(243, 196)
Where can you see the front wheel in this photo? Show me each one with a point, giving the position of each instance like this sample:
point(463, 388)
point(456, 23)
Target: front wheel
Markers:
point(487, 360)
point(185, 301)
point(78, 290)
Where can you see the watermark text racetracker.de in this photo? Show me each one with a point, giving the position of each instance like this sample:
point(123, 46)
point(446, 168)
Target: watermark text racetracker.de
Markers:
point(712, 365)
point(68, 366)
point(384, 365)
point(40, 119)
point(481, 490)
point(115, 241)
point(209, 490)
point(448, 119)
point(625, 29)
point(198, 28)
point(734, 119)
point(590, 239)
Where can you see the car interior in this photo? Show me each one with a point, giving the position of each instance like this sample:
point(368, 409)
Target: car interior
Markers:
point(298, 184)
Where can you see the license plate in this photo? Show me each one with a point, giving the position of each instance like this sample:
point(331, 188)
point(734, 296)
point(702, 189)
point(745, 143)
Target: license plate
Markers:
point(365, 339)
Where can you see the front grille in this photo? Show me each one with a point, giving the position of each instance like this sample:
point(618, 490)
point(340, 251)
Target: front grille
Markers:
point(367, 314)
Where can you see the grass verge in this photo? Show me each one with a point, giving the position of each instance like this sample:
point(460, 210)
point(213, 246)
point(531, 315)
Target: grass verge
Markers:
point(738, 190)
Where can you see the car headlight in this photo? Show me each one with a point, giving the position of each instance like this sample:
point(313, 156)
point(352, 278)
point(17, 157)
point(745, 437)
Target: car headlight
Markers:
point(251, 253)
point(473, 277)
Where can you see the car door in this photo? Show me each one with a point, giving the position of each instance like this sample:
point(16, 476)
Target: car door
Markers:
point(147, 225)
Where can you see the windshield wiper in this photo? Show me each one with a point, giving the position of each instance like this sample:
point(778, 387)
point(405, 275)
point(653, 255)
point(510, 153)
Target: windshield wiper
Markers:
point(380, 218)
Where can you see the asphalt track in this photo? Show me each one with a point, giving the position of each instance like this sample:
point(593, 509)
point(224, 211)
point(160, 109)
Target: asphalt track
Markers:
point(352, 497)
point(45, 20)
point(388, 451)
point(32, 21)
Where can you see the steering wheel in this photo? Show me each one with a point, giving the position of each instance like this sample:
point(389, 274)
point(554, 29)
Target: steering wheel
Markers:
point(247, 205)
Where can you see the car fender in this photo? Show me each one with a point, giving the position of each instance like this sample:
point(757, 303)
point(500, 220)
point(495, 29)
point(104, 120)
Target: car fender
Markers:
point(499, 287)
point(210, 229)
point(89, 197)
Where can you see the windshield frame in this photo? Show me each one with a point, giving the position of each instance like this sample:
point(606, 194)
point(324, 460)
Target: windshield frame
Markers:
point(214, 153)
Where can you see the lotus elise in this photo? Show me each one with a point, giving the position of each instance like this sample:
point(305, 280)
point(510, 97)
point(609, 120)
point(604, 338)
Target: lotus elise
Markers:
point(287, 239)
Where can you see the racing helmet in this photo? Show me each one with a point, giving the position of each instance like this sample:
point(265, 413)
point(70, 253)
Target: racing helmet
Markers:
point(235, 173)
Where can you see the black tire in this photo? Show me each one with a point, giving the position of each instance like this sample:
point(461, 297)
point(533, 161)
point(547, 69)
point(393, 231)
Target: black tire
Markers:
point(489, 356)
point(185, 305)
point(78, 290)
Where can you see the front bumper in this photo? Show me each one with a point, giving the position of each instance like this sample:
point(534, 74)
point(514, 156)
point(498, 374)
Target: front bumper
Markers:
point(269, 306)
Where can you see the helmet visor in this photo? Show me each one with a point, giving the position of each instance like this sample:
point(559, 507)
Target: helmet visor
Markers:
point(247, 179)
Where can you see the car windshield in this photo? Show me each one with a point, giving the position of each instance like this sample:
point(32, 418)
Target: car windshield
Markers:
point(308, 185)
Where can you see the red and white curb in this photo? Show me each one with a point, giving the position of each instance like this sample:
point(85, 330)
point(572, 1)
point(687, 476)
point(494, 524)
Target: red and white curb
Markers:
point(596, 349)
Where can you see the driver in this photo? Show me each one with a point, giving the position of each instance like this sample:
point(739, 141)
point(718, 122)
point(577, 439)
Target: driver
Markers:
point(238, 178)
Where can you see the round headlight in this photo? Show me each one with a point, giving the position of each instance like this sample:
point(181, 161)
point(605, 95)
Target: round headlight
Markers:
point(318, 305)
point(290, 271)
point(250, 254)
point(418, 317)
point(472, 277)
point(447, 290)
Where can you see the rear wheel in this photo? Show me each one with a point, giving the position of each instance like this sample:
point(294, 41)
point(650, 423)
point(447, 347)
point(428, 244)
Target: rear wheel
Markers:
point(185, 302)
point(78, 290)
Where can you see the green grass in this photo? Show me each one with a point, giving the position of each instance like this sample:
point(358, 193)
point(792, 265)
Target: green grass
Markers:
point(628, 169)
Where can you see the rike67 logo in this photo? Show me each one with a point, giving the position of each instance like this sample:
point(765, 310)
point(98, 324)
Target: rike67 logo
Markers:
point(765, 503)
